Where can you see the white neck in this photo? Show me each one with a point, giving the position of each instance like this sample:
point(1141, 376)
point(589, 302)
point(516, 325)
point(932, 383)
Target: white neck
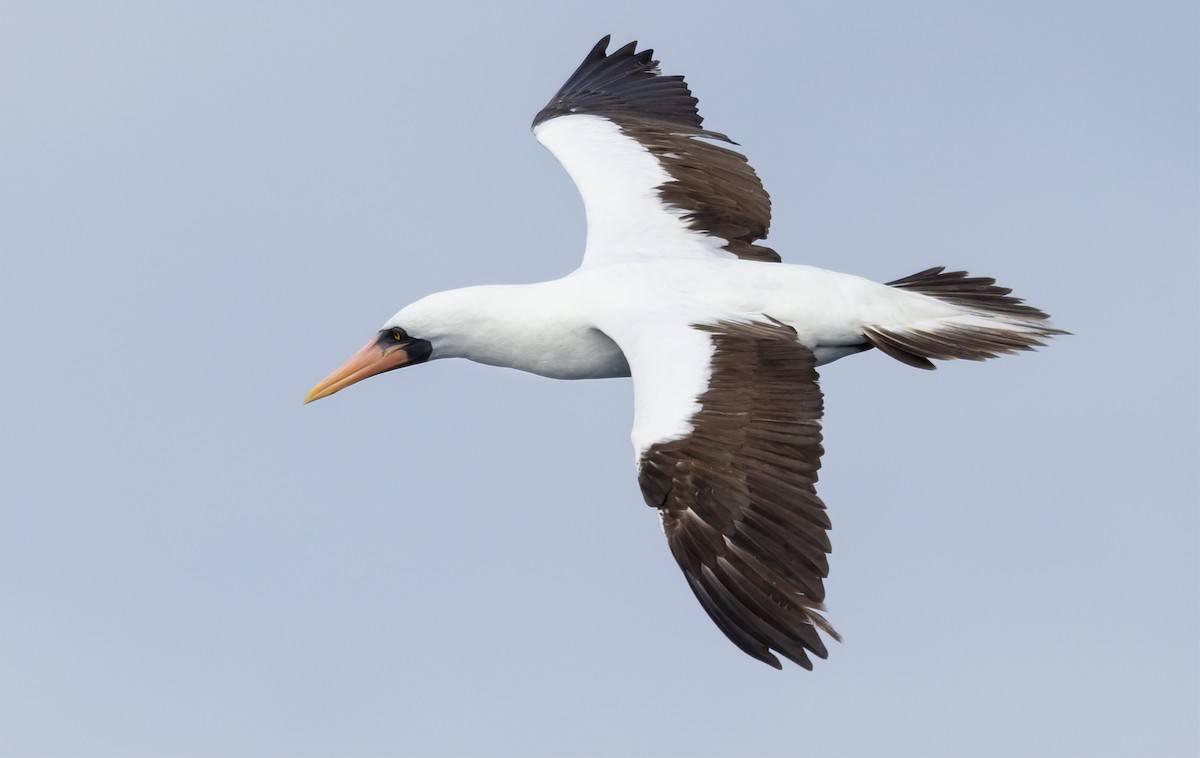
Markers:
point(531, 327)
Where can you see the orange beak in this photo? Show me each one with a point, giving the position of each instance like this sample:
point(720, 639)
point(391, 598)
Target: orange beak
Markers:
point(371, 360)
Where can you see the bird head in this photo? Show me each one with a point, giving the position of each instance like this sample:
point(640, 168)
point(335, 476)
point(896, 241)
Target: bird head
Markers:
point(471, 322)
point(390, 349)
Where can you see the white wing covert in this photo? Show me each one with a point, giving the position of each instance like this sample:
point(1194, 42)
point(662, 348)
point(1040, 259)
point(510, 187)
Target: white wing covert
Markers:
point(652, 180)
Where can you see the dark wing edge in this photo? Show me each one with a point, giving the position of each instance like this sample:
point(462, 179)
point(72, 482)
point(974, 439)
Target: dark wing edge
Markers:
point(738, 497)
point(626, 82)
point(716, 187)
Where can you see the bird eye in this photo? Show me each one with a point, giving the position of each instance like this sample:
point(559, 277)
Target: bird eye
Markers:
point(398, 335)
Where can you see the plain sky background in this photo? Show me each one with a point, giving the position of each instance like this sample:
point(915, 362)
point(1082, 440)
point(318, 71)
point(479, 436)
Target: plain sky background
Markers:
point(206, 207)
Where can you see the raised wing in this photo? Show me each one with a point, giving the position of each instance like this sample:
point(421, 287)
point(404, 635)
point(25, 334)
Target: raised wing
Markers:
point(652, 180)
point(727, 429)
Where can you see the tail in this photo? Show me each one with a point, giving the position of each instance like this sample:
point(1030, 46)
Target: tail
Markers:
point(989, 322)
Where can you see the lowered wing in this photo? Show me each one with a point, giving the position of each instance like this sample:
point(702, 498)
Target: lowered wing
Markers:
point(728, 435)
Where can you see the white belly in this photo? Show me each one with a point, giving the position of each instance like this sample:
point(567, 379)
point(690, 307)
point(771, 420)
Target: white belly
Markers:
point(582, 354)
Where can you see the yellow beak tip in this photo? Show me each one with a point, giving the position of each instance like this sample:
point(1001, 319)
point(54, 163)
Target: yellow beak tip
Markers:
point(315, 394)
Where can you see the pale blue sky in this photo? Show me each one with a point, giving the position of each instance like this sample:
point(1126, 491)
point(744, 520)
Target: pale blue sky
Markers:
point(205, 207)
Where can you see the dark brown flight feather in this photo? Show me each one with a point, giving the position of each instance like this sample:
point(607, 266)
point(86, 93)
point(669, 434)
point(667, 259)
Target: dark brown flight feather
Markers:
point(738, 495)
point(715, 186)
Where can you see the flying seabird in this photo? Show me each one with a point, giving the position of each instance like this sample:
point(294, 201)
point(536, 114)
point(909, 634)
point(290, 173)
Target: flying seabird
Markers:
point(721, 338)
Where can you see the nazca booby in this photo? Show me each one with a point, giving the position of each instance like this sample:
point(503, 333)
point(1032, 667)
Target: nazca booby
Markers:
point(721, 339)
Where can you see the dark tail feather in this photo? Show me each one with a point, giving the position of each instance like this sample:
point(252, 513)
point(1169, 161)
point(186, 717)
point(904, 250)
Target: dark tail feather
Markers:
point(991, 323)
point(976, 292)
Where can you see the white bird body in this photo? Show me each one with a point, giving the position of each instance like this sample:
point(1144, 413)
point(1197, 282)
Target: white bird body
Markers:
point(550, 328)
point(720, 337)
point(565, 328)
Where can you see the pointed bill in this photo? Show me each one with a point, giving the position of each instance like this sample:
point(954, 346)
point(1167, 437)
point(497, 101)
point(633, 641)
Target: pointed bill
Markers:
point(373, 359)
